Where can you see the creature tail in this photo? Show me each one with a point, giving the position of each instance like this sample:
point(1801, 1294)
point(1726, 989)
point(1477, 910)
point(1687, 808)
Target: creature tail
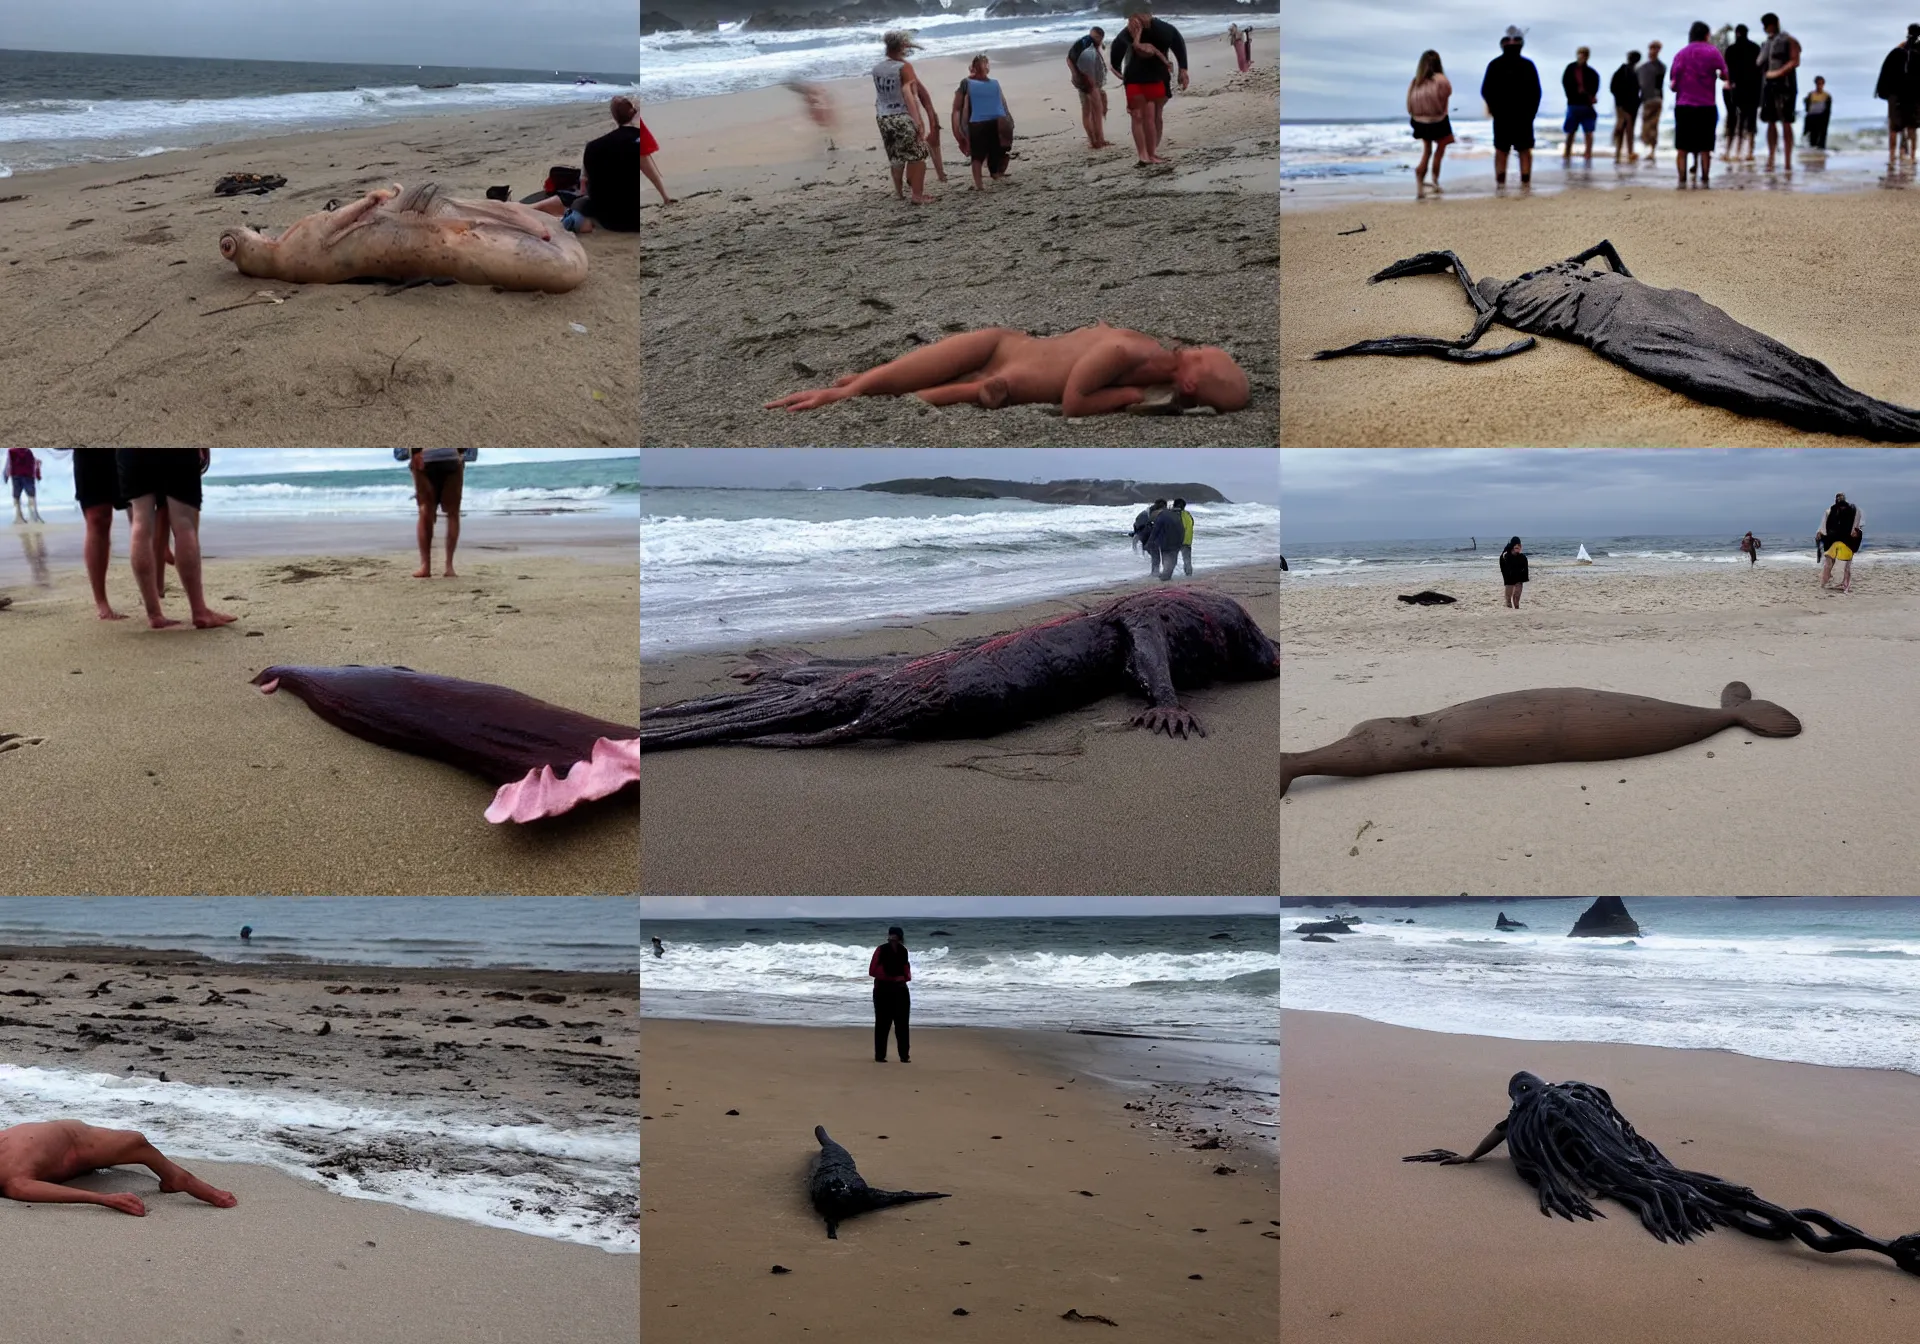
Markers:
point(1426, 345)
point(734, 718)
point(886, 1199)
point(820, 1135)
point(1758, 716)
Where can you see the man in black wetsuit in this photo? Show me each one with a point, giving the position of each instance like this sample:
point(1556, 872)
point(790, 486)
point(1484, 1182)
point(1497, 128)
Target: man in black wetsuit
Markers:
point(610, 181)
point(1145, 55)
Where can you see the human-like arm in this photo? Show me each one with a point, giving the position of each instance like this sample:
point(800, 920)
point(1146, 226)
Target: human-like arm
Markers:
point(46, 1192)
point(1446, 1157)
point(909, 87)
point(873, 966)
point(1178, 46)
point(1149, 664)
point(1090, 390)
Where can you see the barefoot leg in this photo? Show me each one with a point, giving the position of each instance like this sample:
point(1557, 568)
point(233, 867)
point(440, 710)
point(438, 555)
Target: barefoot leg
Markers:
point(931, 366)
point(952, 394)
point(125, 1147)
point(450, 501)
point(186, 547)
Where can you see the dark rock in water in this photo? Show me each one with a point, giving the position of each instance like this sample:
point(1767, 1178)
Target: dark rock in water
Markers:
point(939, 933)
point(1227, 936)
point(1318, 938)
point(652, 21)
point(1607, 917)
point(1504, 923)
point(1326, 926)
point(1429, 598)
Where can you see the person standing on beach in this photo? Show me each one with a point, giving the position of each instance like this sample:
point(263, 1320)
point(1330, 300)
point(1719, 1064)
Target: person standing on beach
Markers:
point(1169, 534)
point(1241, 40)
point(1750, 547)
point(1697, 68)
point(1513, 572)
point(1780, 89)
point(1841, 526)
point(24, 470)
point(1186, 538)
point(1511, 89)
point(1819, 105)
point(36, 1158)
point(892, 1003)
point(1427, 99)
point(1743, 94)
point(1087, 69)
point(896, 109)
point(149, 476)
point(1141, 521)
point(979, 105)
point(1899, 85)
point(1581, 82)
point(1141, 55)
point(439, 475)
point(96, 485)
point(1625, 88)
point(1653, 91)
point(933, 129)
point(1143, 528)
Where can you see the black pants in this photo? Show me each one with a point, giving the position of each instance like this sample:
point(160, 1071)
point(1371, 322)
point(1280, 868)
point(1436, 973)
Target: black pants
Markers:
point(891, 1004)
point(1816, 135)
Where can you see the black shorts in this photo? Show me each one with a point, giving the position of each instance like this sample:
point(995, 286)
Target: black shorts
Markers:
point(983, 145)
point(437, 474)
point(170, 473)
point(1513, 132)
point(96, 479)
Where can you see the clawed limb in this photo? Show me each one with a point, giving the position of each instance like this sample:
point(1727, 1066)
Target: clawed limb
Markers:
point(1603, 248)
point(1432, 263)
point(1446, 1157)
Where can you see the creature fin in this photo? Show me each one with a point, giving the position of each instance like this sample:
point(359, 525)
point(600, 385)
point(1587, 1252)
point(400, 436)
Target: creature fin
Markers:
point(1758, 716)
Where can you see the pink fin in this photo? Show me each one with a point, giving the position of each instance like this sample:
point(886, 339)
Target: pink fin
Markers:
point(268, 688)
point(612, 767)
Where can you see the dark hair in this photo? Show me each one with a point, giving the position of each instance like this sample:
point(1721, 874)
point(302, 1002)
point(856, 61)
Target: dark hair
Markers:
point(1740, 29)
point(1766, 19)
point(1098, 29)
point(893, 960)
point(622, 108)
point(1179, 503)
point(1510, 545)
point(1633, 58)
point(1698, 33)
point(1159, 503)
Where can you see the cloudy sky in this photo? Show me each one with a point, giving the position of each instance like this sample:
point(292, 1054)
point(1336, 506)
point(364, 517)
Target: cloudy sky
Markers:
point(1244, 475)
point(1385, 494)
point(579, 35)
point(946, 907)
point(1353, 59)
point(274, 461)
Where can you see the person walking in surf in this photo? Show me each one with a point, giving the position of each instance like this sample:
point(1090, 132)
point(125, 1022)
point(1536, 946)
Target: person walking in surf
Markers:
point(891, 970)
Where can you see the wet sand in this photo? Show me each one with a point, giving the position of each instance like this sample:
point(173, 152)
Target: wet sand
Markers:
point(1473, 1260)
point(1080, 803)
point(786, 265)
point(1061, 1199)
point(113, 284)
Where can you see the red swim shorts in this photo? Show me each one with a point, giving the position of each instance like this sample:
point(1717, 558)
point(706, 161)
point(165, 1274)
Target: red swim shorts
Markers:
point(648, 145)
point(1138, 95)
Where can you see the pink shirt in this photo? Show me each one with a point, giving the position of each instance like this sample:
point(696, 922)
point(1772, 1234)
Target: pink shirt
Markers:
point(1427, 100)
point(1697, 71)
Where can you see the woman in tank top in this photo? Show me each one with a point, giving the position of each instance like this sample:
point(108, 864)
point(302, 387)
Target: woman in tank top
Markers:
point(896, 110)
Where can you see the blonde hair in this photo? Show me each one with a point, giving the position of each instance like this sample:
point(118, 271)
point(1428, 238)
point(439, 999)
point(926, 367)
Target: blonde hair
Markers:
point(1428, 67)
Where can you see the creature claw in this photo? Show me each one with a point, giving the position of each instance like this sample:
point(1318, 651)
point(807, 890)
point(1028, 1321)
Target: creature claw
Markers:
point(1432, 1155)
point(1174, 722)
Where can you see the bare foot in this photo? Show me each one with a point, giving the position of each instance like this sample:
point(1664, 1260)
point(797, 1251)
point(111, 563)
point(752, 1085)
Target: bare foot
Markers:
point(126, 1204)
point(107, 613)
point(209, 619)
point(200, 1190)
point(449, 574)
point(424, 572)
point(162, 622)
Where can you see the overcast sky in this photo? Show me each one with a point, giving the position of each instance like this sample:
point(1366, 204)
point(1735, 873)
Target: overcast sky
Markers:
point(575, 35)
point(1353, 59)
point(275, 461)
point(1243, 475)
point(1386, 494)
point(945, 907)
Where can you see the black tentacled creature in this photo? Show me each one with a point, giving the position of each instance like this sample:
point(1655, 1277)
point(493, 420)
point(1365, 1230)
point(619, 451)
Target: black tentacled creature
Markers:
point(1672, 336)
point(838, 1192)
point(1154, 642)
point(1570, 1144)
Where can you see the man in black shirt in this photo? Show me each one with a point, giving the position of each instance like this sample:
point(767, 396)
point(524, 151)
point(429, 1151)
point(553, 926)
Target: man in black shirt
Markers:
point(1511, 90)
point(1743, 94)
point(1625, 87)
point(610, 185)
point(1145, 55)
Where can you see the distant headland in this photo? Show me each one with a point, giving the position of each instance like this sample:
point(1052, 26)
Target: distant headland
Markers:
point(1053, 492)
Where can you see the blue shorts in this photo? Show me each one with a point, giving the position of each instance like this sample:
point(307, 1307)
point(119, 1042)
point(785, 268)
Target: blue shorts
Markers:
point(571, 221)
point(1582, 118)
point(23, 485)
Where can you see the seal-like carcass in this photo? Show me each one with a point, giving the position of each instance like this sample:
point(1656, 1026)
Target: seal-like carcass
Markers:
point(422, 231)
point(1535, 728)
point(1671, 336)
point(1154, 642)
point(838, 1193)
point(1571, 1145)
point(544, 760)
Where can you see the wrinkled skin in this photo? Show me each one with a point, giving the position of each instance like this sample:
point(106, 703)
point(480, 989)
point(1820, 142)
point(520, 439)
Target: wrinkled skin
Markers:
point(838, 1193)
point(1571, 1145)
point(1153, 642)
point(403, 235)
point(1671, 336)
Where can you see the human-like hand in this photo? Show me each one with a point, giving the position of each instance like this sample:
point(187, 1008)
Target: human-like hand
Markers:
point(1183, 81)
point(126, 1204)
point(1446, 1157)
point(1175, 722)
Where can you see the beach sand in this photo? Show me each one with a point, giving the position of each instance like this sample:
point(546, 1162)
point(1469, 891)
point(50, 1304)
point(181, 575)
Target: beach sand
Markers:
point(1375, 1251)
point(1735, 814)
point(1078, 804)
point(787, 266)
point(987, 1116)
point(163, 771)
point(1798, 266)
point(111, 275)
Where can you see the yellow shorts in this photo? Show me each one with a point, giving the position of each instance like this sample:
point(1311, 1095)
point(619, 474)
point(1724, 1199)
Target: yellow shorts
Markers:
point(1839, 551)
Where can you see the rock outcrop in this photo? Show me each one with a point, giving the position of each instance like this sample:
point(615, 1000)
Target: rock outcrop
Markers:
point(1607, 917)
point(1503, 923)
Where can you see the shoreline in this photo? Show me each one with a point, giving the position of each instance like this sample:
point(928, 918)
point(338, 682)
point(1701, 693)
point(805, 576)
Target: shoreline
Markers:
point(973, 814)
point(1360, 1095)
point(1035, 1162)
point(285, 968)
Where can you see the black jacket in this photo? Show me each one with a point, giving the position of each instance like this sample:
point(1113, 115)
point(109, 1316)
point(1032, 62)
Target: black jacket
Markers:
point(1581, 83)
point(1626, 87)
point(1511, 87)
point(1513, 567)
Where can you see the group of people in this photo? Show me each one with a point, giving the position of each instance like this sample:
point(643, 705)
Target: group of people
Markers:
point(1166, 535)
point(160, 490)
point(1758, 80)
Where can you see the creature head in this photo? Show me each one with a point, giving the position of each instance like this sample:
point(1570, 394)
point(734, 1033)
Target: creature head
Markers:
point(248, 250)
point(1206, 375)
point(1524, 1085)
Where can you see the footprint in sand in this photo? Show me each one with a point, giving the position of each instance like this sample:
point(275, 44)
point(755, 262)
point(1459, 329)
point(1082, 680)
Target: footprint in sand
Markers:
point(14, 741)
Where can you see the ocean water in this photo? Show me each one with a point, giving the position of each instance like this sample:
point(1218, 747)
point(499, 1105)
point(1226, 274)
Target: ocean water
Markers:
point(726, 567)
point(605, 486)
point(1430, 560)
point(1164, 977)
point(571, 933)
point(699, 64)
point(59, 108)
point(1821, 980)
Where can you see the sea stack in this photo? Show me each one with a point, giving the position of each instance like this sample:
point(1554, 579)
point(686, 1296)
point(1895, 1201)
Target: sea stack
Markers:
point(1503, 923)
point(1607, 917)
point(1338, 924)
